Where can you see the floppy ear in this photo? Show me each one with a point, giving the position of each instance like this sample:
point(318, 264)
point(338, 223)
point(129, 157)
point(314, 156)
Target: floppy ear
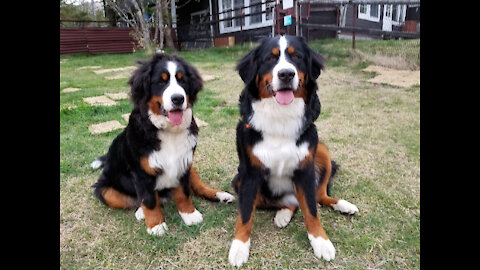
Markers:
point(140, 84)
point(316, 63)
point(247, 66)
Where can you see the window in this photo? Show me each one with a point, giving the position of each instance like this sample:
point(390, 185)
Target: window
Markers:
point(241, 7)
point(369, 12)
point(398, 14)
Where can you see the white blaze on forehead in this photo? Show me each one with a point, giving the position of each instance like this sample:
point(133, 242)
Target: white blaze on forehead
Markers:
point(173, 88)
point(283, 63)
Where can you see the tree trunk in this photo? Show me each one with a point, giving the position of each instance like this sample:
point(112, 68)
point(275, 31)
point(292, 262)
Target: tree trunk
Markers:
point(140, 14)
point(159, 22)
point(167, 22)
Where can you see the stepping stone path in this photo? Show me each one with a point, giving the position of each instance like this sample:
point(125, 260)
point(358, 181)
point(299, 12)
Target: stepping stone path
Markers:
point(99, 101)
point(104, 127)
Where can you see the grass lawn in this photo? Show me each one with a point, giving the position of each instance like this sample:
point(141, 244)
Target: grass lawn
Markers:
point(372, 131)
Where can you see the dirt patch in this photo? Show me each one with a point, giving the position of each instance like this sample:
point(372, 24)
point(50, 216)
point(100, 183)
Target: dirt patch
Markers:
point(105, 127)
point(99, 101)
point(70, 90)
point(89, 67)
point(400, 78)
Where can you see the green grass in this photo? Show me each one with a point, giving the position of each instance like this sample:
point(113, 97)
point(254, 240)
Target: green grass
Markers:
point(372, 131)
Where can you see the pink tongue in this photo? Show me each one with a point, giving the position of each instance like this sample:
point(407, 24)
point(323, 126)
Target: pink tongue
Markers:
point(284, 97)
point(175, 117)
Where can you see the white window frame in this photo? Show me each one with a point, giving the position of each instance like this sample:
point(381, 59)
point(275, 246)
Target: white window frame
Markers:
point(247, 26)
point(400, 16)
point(366, 15)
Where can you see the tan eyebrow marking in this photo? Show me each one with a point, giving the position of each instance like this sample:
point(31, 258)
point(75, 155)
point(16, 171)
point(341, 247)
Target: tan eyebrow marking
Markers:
point(291, 50)
point(179, 75)
point(275, 51)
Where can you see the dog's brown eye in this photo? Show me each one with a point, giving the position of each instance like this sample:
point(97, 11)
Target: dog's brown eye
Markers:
point(164, 76)
point(179, 76)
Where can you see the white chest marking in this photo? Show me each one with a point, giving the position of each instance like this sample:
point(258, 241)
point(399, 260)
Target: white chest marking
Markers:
point(280, 126)
point(174, 156)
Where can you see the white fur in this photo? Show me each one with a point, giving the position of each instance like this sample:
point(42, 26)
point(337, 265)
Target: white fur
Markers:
point(283, 217)
point(175, 154)
point(322, 248)
point(239, 252)
point(280, 126)
point(283, 63)
point(225, 197)
point(139, 215)
point(191, 218)
point(173, 88)
point(158, 230)
point(96, 164)
point(345, 207)
point(288, 200)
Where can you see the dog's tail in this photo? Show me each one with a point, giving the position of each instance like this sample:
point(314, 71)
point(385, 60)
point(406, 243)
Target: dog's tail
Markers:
point(99, 162)
point(335, 167)
point(112, 197)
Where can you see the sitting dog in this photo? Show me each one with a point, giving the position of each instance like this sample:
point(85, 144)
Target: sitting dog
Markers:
point(152, 157)
point(282, 163)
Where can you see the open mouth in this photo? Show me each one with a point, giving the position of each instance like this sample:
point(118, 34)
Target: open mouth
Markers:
point(174, 116)
point(283, 96)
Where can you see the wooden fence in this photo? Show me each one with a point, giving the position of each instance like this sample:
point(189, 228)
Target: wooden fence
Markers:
point(96, 40)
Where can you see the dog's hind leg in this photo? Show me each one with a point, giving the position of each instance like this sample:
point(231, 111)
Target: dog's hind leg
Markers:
point(201, 189)
point(323, 163)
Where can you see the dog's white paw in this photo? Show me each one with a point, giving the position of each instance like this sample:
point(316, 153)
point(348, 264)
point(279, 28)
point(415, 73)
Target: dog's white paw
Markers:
point(283, 217)
point(192, 218)
point(345, 207)
point(239, 251)
point(159, 229)
point(139, 214)
point(322, 248)
point(225, 197)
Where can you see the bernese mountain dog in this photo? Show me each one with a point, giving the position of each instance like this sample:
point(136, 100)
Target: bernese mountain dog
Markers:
point(151, 159)
point(282, 163)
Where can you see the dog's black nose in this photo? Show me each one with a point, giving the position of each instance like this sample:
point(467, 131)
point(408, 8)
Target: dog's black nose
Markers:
point(177, 99)
point(286, 74)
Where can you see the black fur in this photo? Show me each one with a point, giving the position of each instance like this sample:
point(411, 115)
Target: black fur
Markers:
point(122, 170)
point(251, 179)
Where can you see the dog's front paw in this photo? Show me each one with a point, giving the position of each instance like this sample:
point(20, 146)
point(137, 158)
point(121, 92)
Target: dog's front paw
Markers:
point(345, 207)
point(225, 197)
point(283, 217)
point(158, 230)
point(192, 218)
point(322, 248)
point(239, 251)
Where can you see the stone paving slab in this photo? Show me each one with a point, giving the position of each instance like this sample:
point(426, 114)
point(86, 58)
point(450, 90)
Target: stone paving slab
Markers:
point(99, 101)
point(117, 96)
point(70, 90)
point(104, 127)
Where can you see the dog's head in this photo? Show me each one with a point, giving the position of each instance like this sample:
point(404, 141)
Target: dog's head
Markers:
point(283, 67)
point(165, 88)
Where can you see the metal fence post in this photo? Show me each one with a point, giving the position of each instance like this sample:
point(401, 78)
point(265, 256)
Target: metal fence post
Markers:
point(354, 24)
